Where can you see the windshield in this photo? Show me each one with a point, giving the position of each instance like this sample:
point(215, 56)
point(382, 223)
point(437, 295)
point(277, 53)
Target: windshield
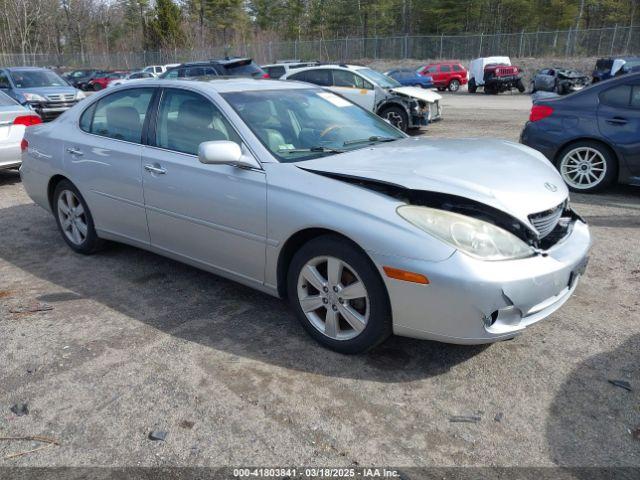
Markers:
point(308, 123)
point(378, 78)
point(37, 78)
point(629, 64)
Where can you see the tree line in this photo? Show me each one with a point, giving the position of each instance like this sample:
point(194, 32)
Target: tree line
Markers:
point(111, 26)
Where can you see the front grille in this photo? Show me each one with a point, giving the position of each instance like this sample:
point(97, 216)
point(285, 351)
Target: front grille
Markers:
point(61, 97)
point(505, 71)
point(545, 222)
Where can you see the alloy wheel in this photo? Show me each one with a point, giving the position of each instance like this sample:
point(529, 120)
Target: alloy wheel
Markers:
point(454, 86)
point(73, 219)
point(583, 168)
point(333, 297)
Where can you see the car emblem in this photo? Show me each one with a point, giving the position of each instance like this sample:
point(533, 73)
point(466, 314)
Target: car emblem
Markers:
point(550, 186)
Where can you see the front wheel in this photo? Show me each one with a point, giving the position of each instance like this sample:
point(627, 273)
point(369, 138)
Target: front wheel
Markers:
point(587, 166)
point(338, 295)
point(396, 116)
point(454, 85)
point(74, 219)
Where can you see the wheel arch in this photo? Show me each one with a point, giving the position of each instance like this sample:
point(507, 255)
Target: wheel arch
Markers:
point(392, 102)
point(294, 243)
point(51, 187)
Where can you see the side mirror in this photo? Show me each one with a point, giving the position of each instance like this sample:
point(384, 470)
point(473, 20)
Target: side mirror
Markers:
point(225, 152)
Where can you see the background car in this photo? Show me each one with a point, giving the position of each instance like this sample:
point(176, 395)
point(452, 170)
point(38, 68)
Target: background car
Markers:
point(101, 82)
point(283, 67)
point(410, 78)
point(611, 67)
point(558, 80)
point(14, 118)
point(39, 89)
point(131, 76)
point(592, 135)
point(79, 78)
point(226, 67)
point(494, 75)
point(404, 107)
point(446, 75)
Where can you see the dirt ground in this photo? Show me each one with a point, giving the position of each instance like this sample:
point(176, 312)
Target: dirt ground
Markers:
point(127, 342)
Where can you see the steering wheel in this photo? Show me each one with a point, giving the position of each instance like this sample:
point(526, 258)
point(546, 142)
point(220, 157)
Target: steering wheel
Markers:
point(331, 128)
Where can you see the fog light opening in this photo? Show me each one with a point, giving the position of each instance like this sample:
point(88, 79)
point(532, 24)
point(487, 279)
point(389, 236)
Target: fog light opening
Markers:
point(489, 320)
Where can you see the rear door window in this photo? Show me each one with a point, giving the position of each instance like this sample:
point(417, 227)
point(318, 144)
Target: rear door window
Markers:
point(619, 96)
point(119, 115)
point(320, 77)
point(445, 68)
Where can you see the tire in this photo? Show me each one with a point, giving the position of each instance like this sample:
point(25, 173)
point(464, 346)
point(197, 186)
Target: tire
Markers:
point(472, 87)
point(397, 116)
point(601, 166)
point(96, 87)
point(441, 89)
point(520, 86)
point(489, 90)
point(454, 85)
point(67, 195)
point(418, 85)
point(357, 269)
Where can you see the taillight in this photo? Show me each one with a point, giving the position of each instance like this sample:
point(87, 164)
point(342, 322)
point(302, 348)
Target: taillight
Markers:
point(538, 112)
point(24, 145)
point(266, 75)
point(27, 120)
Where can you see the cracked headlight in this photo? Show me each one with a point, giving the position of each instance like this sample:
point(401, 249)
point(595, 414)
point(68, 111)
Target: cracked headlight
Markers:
point(474, 237)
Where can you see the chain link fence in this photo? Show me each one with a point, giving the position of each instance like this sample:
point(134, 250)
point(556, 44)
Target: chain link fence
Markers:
point(562, 43)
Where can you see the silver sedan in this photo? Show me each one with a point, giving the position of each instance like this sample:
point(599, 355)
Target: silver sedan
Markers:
point(14, 119)
point(295, 191)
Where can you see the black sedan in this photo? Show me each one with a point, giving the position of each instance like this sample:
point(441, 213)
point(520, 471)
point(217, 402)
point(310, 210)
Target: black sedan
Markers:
point(591, 136)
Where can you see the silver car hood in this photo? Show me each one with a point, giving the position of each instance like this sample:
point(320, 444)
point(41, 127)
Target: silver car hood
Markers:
point(504, 175)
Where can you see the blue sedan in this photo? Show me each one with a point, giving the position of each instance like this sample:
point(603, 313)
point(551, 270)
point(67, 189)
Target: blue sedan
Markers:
point(591, 136)
point(410, 78)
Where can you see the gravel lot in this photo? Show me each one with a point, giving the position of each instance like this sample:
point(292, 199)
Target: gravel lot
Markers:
point(135, 342)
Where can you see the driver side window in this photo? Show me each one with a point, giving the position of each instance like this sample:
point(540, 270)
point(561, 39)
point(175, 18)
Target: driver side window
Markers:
point(186, 119)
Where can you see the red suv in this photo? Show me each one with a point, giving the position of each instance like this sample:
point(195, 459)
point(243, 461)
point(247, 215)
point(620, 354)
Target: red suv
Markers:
point(446, 75)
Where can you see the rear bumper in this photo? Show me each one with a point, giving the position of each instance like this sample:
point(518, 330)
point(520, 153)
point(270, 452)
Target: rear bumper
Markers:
point(10, 152)
point(543, 141)
point(469, 301)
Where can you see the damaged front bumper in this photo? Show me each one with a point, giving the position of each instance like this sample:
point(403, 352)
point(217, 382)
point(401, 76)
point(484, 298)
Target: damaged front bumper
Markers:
point(469, 301)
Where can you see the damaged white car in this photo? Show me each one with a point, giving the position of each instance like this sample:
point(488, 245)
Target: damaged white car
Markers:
point(403, 107)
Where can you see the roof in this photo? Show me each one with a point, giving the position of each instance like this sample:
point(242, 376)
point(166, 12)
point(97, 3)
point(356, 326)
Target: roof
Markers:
point(18, 69)
point(227, 84)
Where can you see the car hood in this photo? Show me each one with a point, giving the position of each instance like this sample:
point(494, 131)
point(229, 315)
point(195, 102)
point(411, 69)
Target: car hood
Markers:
point(428, 96)
point(504, 175)
point(46, 90)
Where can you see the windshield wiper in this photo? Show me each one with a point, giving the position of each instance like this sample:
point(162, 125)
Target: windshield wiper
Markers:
point(373, 139)
point(312, 149)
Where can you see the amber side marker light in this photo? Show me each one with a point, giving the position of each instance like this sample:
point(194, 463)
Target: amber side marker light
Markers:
point(405, 276)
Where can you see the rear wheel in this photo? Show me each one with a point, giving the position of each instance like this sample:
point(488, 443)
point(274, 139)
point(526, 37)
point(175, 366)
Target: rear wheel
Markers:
point(472, 87)
point(396, 116)
point(454, 85)
point(338, 295)
point(74, 219)
point(587, 166)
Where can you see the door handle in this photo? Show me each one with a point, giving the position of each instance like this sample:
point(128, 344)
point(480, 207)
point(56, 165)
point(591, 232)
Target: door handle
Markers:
point(154, 169)
point(74, 151)
point(617, 121)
